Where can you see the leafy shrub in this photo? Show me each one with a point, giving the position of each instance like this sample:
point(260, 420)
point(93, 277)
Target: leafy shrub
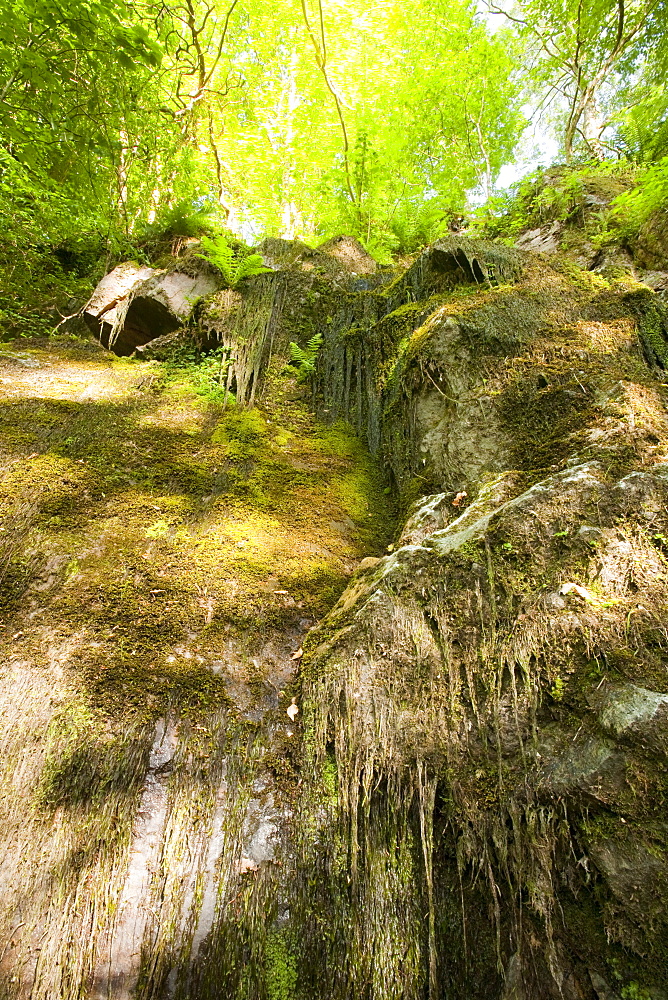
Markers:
point(544, 196)
point(232, 264)
point(380, 247)
point(410, 229)
point(632, 208)
point(210, 375)
point(562, 194)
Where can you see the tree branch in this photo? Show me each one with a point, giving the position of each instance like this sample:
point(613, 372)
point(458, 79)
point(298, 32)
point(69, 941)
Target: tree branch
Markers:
point(321, 62)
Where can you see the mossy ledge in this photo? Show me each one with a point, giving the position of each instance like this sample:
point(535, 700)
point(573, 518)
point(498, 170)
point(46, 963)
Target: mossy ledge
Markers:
point(471, 798)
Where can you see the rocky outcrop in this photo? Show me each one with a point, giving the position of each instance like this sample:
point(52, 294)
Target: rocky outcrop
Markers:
point(491, 659)
point(300, 297)
point(146, 309)
point(135, 304)
point(340, 258)
point(494, 691)
point(485, 710)
point(462, 792)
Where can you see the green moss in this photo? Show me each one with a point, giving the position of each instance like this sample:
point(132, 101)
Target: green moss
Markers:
point(245, 426)
point(338, 439)
point(579, 277)
point(652, 318)
point(634, 991)
point(330, 779)
point(204, 505)
point(280, 969)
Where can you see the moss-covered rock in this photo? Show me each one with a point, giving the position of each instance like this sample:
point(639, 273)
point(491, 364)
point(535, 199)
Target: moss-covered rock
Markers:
point(162, 553)
point(497, 683)
point(271, 754)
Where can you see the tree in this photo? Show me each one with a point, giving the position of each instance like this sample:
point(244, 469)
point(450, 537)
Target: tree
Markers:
point(70, 79)
point(361, 119)
point(580, 50)
point(298, 118)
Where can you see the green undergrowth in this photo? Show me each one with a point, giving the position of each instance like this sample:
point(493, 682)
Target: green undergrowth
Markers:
point(579, 195)
point(37, 294)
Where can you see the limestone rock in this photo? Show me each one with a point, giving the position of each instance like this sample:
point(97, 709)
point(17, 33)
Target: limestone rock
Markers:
point(350, 253)
point(613, 262)
point(603, 989)
point(342, 259)
point(634, 712)
point(637, 876)
point(135, 304)
point(656, 280)
point(545, 239)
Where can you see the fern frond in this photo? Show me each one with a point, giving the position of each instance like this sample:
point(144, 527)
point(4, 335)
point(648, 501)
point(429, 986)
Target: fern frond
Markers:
point(232, 266)
point(304, 358)
point(251, 265)
point(298, 354)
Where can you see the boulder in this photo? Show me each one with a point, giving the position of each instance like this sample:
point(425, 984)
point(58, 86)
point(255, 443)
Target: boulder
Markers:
point(351, 254)
point(651, 247)
point(545, 239)
point(635, 713)
point(656, 280)
point(135, 304)
point(342, 259)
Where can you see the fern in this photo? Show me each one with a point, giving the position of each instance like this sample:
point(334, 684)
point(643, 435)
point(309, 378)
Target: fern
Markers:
point(415, 226)
point(232, 265)
point(183, 219)
point(642, 128)
point(303, 359)
point(633, 208)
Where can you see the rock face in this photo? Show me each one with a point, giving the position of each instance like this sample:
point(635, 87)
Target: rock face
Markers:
point(135, 304)
point(482, 672)
point(255, 322)
point(652, 248)
point(494, 692)
point(340, 258)
point(160, 563)
point(471, 798)
point(139, 308)
point(545, 239)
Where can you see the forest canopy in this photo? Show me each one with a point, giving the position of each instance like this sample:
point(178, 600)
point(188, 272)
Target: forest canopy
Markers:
point(304, 118)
